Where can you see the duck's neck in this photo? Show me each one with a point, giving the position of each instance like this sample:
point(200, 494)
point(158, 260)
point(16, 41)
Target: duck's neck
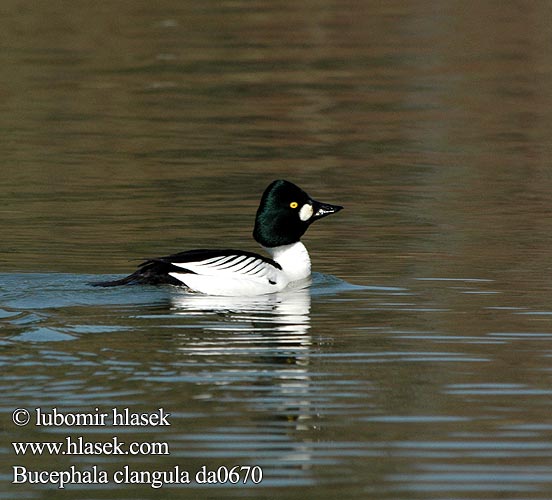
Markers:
point(294, 259)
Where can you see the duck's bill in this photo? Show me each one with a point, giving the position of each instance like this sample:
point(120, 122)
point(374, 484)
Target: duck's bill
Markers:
point(324, 209)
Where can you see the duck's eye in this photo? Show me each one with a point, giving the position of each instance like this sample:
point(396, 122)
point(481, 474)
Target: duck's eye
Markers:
point(294, 204)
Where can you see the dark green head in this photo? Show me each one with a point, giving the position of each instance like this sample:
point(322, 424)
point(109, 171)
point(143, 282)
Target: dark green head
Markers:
point(285, 213)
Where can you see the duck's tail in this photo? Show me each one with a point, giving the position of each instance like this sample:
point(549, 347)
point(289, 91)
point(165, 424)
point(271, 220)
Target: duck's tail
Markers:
point(151, 272)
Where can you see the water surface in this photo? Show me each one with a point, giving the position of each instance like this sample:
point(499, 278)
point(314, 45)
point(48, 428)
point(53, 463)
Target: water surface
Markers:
point(416, 365)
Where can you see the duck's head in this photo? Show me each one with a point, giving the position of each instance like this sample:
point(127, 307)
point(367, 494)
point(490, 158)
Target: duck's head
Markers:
point(285, 213)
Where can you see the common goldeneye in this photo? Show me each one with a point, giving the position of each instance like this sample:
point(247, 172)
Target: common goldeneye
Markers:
point(283, 216)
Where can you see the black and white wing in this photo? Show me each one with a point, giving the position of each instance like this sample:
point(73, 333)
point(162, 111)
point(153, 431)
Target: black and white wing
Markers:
point(219, 262)
point(226, 272)
point(216, 272)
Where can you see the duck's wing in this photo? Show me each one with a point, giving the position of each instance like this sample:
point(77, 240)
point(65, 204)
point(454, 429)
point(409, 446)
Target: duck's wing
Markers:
point(224, 264)
point(219, 262)
point(227, 272)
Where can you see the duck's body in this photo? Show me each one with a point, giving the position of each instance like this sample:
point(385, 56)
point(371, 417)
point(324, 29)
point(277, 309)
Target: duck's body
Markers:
point(284, 214)
point(225, 272)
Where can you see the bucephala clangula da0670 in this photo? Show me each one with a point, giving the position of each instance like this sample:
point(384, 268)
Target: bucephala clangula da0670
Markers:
point(283, 216)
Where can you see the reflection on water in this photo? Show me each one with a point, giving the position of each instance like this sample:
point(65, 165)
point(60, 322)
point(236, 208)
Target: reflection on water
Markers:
point(137, 129)
point(409, 406)
point(231, 352)
point(279, 320)
point(271, 332)
point(289, 307)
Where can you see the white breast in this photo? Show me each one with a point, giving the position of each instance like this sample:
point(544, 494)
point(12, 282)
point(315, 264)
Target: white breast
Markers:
point(294, 259)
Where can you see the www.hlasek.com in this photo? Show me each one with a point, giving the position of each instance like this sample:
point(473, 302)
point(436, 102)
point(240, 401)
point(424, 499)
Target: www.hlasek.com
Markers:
point(79, 445)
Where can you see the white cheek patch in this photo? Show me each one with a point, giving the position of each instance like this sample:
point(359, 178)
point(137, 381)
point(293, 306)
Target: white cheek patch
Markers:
point(306, 212)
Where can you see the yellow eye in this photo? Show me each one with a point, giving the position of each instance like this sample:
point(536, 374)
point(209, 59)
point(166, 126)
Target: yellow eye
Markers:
point(294, 204)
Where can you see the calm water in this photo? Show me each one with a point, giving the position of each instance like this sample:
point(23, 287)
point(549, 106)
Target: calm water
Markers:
point(418, 363)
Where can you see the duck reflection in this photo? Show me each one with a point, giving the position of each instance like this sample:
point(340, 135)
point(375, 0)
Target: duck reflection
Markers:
point(257, 348)
point(277, 313)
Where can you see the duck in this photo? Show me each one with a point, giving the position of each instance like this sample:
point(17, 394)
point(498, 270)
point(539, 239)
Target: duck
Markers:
point(285, 213)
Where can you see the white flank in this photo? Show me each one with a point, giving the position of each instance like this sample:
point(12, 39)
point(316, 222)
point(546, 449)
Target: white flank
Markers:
point(239, 275)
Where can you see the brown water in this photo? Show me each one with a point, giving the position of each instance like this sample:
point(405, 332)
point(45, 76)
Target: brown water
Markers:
point(418, 364)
